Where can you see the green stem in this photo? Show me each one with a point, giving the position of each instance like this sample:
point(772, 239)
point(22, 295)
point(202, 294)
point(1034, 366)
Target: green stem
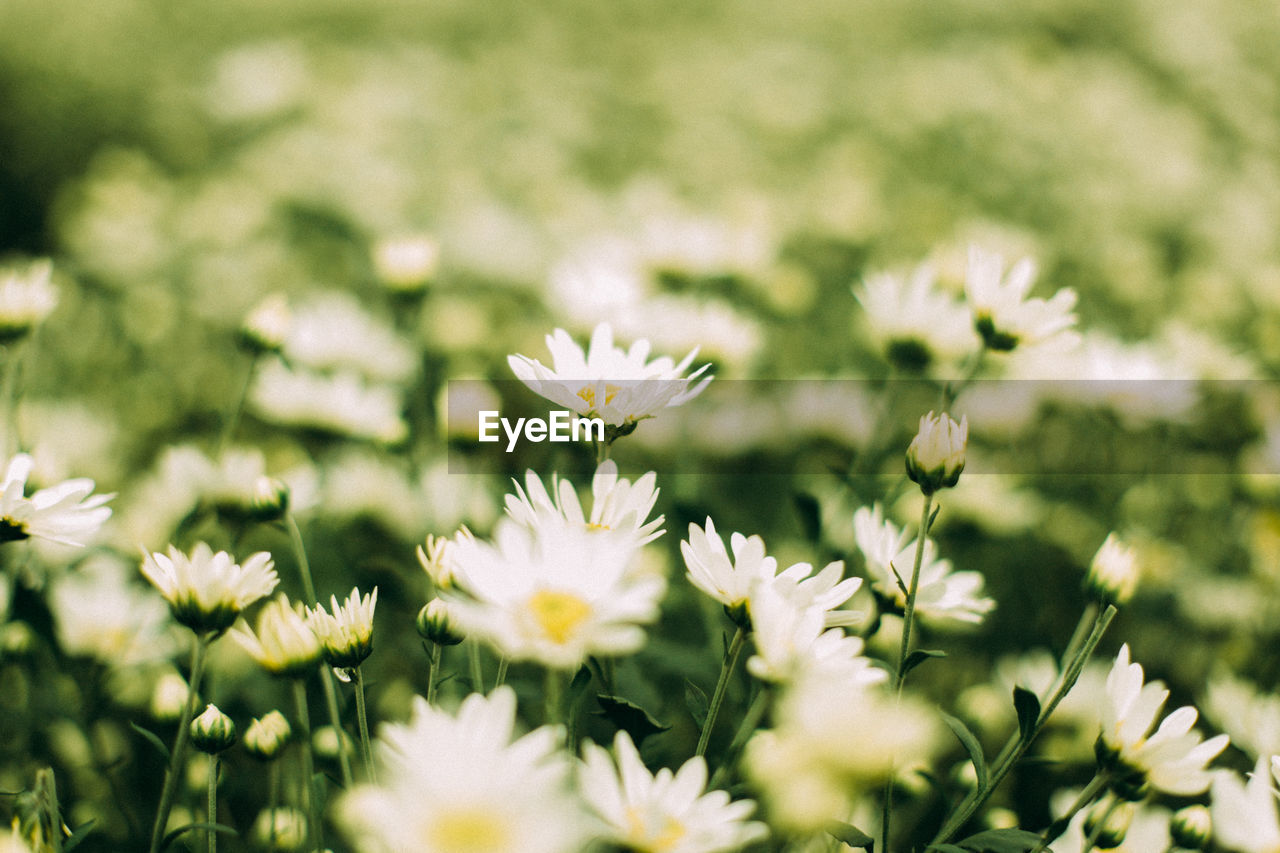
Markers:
point(213, 803)
point(745, 728)
point(233, 419)
point(909, 611)
point(502, 671)
point(308, 764)
point(178, 755)
point(717, 698)
point(362, 715)
point(602, 451)
point(433, 664)
point(473, 655)
point(554, 697)
point(1086, 797)
point(273, 800)
point(300, 554)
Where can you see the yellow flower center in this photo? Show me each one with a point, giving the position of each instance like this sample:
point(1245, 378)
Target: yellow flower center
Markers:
point(672, 831)
point(467, 831)
point(558, 613)
point(588, 394)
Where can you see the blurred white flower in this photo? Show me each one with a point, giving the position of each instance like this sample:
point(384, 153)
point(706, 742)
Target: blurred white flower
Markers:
point(791, 643)
point(1245, 818)
point(1002, 314)
point(616, 503)
point(331, 332)
point(465, 784)
point(99, 613)
point(1250, 716)
point(554, 594)
point(942, 595)
point(266, 326)
point(915, 324)
point(27, 296)
point(620, 386)
point(206, 590)
point(343, 402)
point(662, 812)
point(406, 263)
point(1172, 758)
point(283, 643)
point(1114, 572)
point(345, 630)
point(67, 513)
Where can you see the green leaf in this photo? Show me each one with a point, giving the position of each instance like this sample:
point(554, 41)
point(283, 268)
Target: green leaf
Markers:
point(919, 656)
point(971, 746)
point(947, 848)
point(696, 701)
point(850, 835)
point(629, 717)
point(578, 686)
point(934, 515)
point(1002, 841)
point(74, 839)
point(810, 512)
point(173, 834)
point(1028, 707)
point(153, 739)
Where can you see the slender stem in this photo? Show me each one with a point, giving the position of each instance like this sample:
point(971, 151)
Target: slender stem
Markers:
point(909, 611)
point(555, 696)
point(502, 671)
point(273, 800)
point(602, 451)
point(1086, 797)
point(473, 655)
point(308, 765)
point(300, 554)
point(745, 728)
point(717, 698)
point(433, 663)
point(180, 742)
point(12, 393)
point(1091, 841)
point(362, 715)
point(1018, 744)
point(233, 419)
point(213, 803)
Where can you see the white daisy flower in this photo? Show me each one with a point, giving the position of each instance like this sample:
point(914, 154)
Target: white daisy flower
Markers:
point(1002, 314)
point(407, 262)
point(790, 642)
point(915, 324)
point(101, 614)
point(1172, 758)
point(345, 630)
point(206, 590)
point(27, 296)
point(664, 812)
point(1245, 818)
point(284, 643)
point(941, 596)
point(68, 513)
point(465, 784)
point(343, 402)
point(333, 332)
point(616, 503)
point(555, 594)
point(619, 386)
point(1249, 716)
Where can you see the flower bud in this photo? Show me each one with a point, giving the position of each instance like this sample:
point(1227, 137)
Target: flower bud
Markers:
point(280, 829)
point(270, 499)
point(435, 625)
point(169, 697)
point(16, 639)
point(1191, 827)
point(406, 264)
point(267, 325)
point(267, 735)
point(326, 741)
point(1115, 819)
point(1113, 574)
point(936, 455)
point(434, 557)
point(27, 296)
point(212, 731)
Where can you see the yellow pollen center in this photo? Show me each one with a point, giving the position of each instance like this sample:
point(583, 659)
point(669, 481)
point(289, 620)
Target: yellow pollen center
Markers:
point(558, 613)
point(672, 831)
point(593, 526)
point(588, 394)
point(467, 831)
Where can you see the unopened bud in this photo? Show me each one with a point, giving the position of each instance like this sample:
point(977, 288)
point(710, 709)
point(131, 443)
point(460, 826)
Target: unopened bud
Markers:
point(406, 264)
point(936, 455)
point(169, 697)
point(435, 624)
point(280, 829)
point(1191, 827)
point(267, 735)
point(270, 499)
point(212, 731)
point(1113, 574)
point(267, 325)
point(1115, 818)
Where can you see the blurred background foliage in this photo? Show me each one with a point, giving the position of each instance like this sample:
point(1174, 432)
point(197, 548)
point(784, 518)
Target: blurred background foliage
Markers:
point(698, 173)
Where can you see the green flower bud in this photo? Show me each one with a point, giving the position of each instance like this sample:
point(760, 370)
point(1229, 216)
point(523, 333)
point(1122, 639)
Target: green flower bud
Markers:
point(937, 453)
point(212, 731)
point(1115, 819)
point(267, 735)
point(435, 625)
point(1191, 827)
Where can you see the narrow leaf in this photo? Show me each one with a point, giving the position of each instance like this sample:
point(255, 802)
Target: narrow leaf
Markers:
point(153, 739)
point(1028, 707)
point(850, 835)
point(947, 848)
point(971, 746)
point(629, 717)
point(919, 656)
point(696, 701)
point(216, 827)
point(74, 839)
point(934, 515)
point(1002, 841)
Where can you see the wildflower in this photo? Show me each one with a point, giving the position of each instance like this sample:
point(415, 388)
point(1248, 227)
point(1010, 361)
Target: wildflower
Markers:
point(67, 513)
point(332, 332)
point(435, 625)
point(1113, 573)
point(406, 264)
point(346, 630)
point(790, 643)
point(554, 595)
point(212, 731)
point(267, 325)
point(1115, 818)
point(280, 829)
point(664, 812)
point(941, 595)
point(619, 386)
point(1192, 827)
point(1002, 314)
point(729, 582)
point(284, 643)
point(935, 457)
point(343, 402)
point(465, 784)
point(915, 324)
point(267, 735)
point(1245, 818)
point(101, 614)
point(26, 298)
point(207, 591)
point(616, 503)
point(434, 558)
point(1173, 758)
point(169, 697)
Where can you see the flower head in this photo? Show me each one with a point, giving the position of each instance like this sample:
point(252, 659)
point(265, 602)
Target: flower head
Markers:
point(1245, 817)
point(284, 643)
point(1172, 758)
point(1002, 314)
point(1113, 573)
point(406, 264)
point(436, 625)
point(935, 457)
point(345, 630)
point(616, 503)
point(67, 513)
point(619, 386)
point(914, 323)
point(212, 731)
point(267, 325)
point(664, 812)
point(26, 298)
point(267, 735)
point(207, 591)
point(791, 642)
